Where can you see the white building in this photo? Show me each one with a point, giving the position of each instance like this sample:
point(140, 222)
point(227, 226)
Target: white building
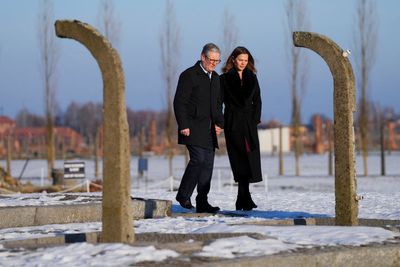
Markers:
point(269, 140)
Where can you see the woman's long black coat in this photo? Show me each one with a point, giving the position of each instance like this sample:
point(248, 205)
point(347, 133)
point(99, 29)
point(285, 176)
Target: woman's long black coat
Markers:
point(242, 115)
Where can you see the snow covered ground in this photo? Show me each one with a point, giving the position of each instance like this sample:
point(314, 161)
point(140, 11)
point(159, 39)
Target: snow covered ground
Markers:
point(278, 197)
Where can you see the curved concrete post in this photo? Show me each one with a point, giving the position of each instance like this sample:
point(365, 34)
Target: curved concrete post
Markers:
point(344, 106)
point(117, 220)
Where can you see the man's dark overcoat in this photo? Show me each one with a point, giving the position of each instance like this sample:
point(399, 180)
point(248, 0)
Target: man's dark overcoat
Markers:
point(242, 115)
point(198, 106)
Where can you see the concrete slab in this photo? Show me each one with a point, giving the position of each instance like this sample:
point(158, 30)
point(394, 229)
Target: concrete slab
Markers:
point(386, 254)
point(157, 239)
point(393, 225)
point(355, 256)
point(21, 216)
point(17, 217)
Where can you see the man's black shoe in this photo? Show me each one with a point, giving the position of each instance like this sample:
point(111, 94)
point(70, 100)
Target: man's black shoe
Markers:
point(206, 208)
point(186, 204)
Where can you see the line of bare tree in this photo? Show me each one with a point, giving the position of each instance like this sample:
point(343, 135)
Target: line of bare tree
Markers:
point(49, 53)
point(365, 42)
point(230, 34)
point(170, 45)
point(108, 22)
point(296, 20)
point(84, 118)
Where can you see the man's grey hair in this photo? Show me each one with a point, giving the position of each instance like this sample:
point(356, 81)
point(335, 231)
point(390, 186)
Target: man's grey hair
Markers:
point(210, 47)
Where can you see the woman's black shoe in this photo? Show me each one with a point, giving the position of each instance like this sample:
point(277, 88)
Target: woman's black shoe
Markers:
point(239, 205)
point(249, 205)
point(244, 201)
point(246, 205)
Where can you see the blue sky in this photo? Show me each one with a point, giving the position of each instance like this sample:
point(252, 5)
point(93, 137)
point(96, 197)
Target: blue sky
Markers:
point(260, 28)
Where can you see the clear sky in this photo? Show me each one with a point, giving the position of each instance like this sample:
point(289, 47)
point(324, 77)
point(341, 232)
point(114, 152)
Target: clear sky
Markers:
point(260, 28)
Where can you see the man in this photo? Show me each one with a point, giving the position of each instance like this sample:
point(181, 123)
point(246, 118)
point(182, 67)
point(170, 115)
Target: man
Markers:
point(198, 112)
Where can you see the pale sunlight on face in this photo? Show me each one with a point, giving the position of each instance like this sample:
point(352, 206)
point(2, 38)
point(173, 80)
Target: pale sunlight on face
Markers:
point(241, 61)
point(210, 61)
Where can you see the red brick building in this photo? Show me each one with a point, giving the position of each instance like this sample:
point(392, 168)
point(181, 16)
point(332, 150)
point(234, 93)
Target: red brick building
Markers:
point(323, 132)
point(7, 127)
point(31, 141)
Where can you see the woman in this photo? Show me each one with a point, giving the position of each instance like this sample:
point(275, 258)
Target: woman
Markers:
point(241, 95)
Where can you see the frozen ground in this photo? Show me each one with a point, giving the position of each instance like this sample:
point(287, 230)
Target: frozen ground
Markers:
point(278, 197)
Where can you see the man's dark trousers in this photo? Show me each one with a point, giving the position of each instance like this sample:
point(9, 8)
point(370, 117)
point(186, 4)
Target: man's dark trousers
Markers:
point(198, 172)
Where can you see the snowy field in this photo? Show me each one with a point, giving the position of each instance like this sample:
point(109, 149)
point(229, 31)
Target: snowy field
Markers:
point(277, 197)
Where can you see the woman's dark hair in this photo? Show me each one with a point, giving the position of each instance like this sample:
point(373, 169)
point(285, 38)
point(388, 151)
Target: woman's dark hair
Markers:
point(235, 53)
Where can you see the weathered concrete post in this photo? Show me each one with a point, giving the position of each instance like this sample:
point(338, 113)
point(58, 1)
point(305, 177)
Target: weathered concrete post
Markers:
point(117, 213)
point(344, 106)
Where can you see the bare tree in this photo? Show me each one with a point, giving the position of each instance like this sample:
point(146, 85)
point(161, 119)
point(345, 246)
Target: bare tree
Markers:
point(90, 118)
point(296, 19)
point(365, 41)
point(48, 59)
point(108, 22)
point(10, 141)
point(170, 55)
point(231, 33)
point(71, 116)
point(25, 118)
point(110, 26)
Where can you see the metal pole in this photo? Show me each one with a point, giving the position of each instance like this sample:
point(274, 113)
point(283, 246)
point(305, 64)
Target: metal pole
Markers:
point(41, 176)
point(382, 131)
point(23, 169)
point(266, 183)
point(231, 187)
point(219, 180)
point(280, 151)
point(9, 154)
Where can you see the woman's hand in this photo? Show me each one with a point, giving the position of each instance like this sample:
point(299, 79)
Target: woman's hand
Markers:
point(185, 132)
point(218, 130)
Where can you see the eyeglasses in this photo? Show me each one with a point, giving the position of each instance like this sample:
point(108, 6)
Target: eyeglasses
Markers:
point(214, 61)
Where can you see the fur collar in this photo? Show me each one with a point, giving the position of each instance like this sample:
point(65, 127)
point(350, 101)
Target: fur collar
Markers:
point(244, 90)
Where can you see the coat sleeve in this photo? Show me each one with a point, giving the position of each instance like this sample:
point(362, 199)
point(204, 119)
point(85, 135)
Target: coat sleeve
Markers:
point(257, 103)
point(181, 100)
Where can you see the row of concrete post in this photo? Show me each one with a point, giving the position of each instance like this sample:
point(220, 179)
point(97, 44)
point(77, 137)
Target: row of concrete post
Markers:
point(117, 222)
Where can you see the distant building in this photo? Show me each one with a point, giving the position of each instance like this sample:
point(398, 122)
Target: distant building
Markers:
point(153, 145)
point(393, 135)
point(6, 124)
point(323, 133)
point(31, 141)
point(268, 135)
point(7, 127)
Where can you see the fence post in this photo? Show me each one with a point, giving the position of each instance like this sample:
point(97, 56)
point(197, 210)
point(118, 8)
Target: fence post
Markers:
point(219, 180)
point(171, 180)
point(266, 183)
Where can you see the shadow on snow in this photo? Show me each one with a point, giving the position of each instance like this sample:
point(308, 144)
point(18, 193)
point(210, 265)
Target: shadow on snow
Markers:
point(266, 214)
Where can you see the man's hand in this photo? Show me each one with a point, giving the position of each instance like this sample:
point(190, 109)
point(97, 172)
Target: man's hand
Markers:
point(218, 130)
point(185, 132)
